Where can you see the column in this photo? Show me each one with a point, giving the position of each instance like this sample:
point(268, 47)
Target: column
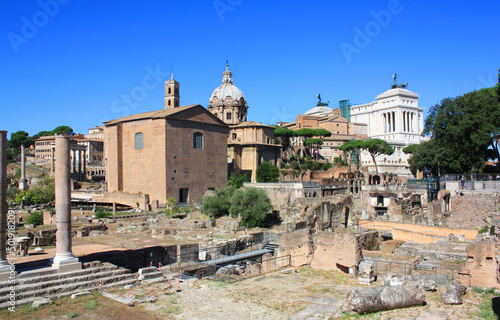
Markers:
point(393, 122)
point(385, 123)
point(404, 122)
point(79, 161)
point(63, 259)
point(4, 265)
point(85, 165)
point(74, 161)
point(388, 122)
point(52, 159)
point(412, 120)
point(22, 182)
point(408, 122)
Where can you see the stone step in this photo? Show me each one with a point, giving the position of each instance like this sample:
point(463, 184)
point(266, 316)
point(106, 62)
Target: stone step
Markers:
point(20, 302)
point(148, 276)
point(65, 275)
point(42, 275)
point(144, 271)
point(69, 284)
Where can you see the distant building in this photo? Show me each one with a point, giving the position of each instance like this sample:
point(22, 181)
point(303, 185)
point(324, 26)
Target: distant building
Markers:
point(249, 143)
point(396, 118)
point(324, 117)
point(178, 152)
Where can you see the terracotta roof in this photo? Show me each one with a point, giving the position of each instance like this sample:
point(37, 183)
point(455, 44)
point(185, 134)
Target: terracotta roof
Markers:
point(151, 114)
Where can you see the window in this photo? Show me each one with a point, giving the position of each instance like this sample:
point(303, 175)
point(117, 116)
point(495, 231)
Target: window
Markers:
point(139, 140)
point(198, 140)
point(169, 102)
point(169, 90)
point(228, 116)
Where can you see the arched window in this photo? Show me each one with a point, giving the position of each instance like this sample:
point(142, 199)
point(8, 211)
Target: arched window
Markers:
point(169, 102)
point(198, 140)
point(139, 140)
point(169, 90)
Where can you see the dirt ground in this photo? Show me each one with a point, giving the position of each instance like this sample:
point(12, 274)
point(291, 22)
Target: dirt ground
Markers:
point(290, 294)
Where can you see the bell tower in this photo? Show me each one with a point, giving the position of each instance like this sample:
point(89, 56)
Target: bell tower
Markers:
point(172, 98)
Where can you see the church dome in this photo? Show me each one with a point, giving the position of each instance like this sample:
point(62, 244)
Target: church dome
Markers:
point(321, 111)
point(227, 88)
point(227, 102)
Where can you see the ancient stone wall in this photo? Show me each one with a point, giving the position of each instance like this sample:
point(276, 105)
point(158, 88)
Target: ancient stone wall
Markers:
point(481, 261)
point(299, 245)
point(336, 250)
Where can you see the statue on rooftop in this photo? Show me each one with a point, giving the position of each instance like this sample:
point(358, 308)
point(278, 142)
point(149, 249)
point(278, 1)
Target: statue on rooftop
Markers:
point(395, 82)
point(321, 104)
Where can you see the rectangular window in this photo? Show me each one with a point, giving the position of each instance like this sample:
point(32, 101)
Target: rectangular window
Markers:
point(228, 116)
point(198, 140)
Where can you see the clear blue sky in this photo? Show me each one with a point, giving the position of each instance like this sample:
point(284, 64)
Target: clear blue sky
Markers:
point(72, 63)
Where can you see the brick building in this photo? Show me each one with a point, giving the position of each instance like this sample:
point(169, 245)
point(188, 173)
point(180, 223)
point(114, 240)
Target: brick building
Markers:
point(177, 152)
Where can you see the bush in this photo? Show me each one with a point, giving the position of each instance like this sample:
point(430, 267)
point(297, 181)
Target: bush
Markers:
point(294, 165)
point(43, 192)
point(35, 217)
point(251, 205)
point(237, 181)
point(267, 172)
point(172, 207)
point(101, 214)
point(218, 205)
point(326, 166)
point(315, 165)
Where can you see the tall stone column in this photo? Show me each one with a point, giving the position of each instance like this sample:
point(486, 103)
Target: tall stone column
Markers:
point(74, 160)
point(84, 165)
point(63, 259)
point(52, 159)
point(23, 184)
point(79, 162)
point(4, 265)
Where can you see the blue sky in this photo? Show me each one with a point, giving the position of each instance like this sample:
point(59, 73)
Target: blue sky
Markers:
point(75, 63)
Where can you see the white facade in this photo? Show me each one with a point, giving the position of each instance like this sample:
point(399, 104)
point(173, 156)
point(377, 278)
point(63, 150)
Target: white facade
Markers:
point(396, 118)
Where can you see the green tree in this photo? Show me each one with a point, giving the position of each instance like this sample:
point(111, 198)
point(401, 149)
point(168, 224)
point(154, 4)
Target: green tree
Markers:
point(352, 147)
point(62, 130)
point(466, 129)
point(304, 134)
point(251, 205)
point(42, 192)
point(218, 205)
point(171, 207)
point(315, 143)
point(409, 149)
point(267, 172)
point(327, 165)
point(35, 217)
point(19, 138)
point(425, 156)
point(237, 181)
point(42, 134)
point(377, 147)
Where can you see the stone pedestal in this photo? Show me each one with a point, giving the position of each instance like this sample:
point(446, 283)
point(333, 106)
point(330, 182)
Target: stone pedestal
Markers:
point(64, 259)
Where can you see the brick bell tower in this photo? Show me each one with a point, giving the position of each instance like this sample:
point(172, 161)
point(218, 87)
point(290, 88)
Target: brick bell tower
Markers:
point(172, 98)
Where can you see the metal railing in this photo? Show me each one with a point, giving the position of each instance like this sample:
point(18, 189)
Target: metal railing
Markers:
point(414, 272)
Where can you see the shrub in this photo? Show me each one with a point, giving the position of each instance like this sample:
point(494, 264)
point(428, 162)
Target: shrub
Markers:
point(315, 165)
point(326, 166)
point(267, 172)
point(101, 214)
point(251, 205)
point(218, 205)
point(35, 217)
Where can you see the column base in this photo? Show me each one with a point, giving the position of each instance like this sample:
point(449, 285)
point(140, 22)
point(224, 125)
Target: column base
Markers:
point(7, 270)
point(65, 262)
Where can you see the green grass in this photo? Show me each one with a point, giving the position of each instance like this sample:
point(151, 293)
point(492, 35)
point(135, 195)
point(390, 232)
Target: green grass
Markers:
point(72, 315)
point(486, 311)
